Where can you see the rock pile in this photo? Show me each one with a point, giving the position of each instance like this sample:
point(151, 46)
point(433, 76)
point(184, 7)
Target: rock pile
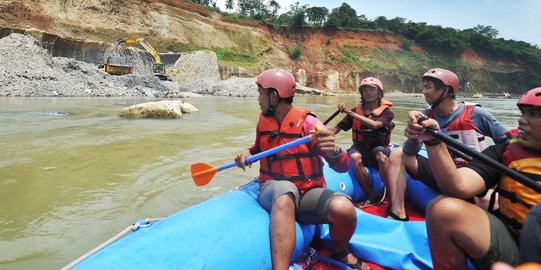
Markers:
point(29, 70)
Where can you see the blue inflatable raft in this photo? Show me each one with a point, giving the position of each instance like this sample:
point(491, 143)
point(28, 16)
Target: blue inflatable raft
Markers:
point(231, 231)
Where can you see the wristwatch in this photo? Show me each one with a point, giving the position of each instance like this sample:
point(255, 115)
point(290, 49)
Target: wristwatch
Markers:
point(336, 154)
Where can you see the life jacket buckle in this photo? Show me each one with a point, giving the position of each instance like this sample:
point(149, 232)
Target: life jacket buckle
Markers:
point(273, 134)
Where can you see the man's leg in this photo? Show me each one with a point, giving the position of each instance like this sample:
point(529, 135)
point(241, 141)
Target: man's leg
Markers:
point(456, 230)
point(282, 230)
point(383, 161)
point(321, 205)
point(362, 176)
point(280, 199)
point(396, 176)
point(342, 222)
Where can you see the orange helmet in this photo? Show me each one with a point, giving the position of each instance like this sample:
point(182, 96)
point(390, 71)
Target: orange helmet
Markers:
point(372, 82)
point(279, 79)
point(532, 97)
point(447, 77)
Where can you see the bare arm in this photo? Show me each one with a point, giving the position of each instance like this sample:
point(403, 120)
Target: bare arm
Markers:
point(462, 182)
point(365, 120)
point(325, 144)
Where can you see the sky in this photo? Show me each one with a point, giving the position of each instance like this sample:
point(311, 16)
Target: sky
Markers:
point(514, 19)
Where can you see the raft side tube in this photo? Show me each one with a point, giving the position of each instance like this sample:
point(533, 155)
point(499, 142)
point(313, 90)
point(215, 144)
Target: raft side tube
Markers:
point(231, 230)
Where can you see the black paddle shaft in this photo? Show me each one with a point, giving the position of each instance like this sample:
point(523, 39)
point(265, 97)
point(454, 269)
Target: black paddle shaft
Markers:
point(331, 118)
point(484, 158)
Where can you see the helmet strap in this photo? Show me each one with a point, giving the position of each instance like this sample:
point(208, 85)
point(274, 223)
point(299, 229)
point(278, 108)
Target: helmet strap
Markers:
point(441, 98)
point(270, 108)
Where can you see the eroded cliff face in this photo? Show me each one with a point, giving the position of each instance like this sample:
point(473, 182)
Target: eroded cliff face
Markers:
point(85, 30)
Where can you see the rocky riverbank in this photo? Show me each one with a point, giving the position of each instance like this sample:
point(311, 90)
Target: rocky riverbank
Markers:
point(29, 70)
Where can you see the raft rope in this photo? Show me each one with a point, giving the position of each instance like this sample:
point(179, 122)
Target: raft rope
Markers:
point(132, 228)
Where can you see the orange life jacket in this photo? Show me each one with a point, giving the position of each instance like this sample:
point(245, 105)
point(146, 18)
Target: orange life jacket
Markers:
point(516, 199)
point(463, 130)
point(297, 164)
point(367, 138)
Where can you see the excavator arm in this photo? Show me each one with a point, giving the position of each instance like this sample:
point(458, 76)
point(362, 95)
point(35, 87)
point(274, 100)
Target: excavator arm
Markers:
point(159, 68)
point(151, 50)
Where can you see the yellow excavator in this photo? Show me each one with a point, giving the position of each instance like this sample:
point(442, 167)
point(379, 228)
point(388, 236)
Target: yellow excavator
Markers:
point(158, 68)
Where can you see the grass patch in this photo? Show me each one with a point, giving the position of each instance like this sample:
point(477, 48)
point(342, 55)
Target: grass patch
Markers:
point(296, 52)
point(232, 56)
point(397, 61)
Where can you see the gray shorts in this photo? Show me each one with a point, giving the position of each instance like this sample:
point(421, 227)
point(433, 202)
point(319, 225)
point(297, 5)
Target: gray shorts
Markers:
point(311, 208)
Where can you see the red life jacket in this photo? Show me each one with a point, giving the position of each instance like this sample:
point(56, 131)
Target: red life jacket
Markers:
point(366, 138)
point(516, 199)
point(463, 130)
point(297, 164)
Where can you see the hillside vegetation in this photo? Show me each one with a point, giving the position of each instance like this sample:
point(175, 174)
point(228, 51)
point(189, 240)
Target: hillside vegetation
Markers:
point(330, 50)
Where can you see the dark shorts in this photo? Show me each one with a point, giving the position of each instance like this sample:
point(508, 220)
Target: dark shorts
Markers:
point(312, 208)
point(424, 173)
point(369, 156)
point(502, 248)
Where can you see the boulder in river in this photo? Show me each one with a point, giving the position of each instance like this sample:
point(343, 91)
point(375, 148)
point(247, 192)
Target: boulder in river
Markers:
point(159, 109)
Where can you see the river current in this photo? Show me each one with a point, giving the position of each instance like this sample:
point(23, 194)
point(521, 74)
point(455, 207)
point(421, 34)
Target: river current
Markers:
point(73, 174)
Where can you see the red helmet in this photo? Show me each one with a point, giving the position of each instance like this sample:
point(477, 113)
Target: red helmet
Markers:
point(372, 82)
point(279, 79)
point(532, 97)
point(447, 77)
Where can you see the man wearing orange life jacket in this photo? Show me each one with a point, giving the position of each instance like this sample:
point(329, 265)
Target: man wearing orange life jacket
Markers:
point(465, 122)
point(292, 182)
point(458, 230)
point(371, 122)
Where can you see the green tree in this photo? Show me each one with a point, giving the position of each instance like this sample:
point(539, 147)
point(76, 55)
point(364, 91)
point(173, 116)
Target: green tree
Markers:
point(486, 31)
point(275, 6)
point(298, 13)
point(317, 15)
point(252, 8)
point(441, 39)
point(284, 19)
point(411, 29)
point(229, 4)
point(344, 16)
point(365, 23)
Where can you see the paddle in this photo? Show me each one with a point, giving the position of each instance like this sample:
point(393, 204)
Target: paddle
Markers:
point(482, 157)
point(331, 117)
point(203, 173)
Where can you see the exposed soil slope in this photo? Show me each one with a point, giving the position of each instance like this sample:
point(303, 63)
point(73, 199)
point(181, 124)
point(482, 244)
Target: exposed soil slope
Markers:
point(177, 25)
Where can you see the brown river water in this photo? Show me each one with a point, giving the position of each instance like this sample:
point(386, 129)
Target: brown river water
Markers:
point(73, 174)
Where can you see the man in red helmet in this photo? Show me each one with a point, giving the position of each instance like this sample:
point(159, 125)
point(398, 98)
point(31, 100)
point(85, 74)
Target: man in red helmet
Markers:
point(458, 230)
point(467, 123)
point(292, 181)
point(371, 122)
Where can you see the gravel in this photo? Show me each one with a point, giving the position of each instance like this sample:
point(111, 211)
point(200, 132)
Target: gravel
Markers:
point(28, 70)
